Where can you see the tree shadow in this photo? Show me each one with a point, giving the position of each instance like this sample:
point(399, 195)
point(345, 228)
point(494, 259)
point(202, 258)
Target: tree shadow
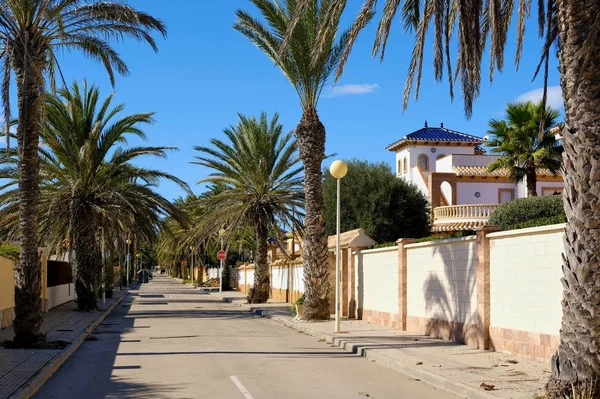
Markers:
point(451, 314)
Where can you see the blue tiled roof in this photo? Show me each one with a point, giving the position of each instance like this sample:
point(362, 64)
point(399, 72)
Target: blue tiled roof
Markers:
point(437, 134)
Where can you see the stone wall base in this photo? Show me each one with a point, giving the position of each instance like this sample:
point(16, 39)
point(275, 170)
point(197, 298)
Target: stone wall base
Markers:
point(533, 346)
point(461, 333)
point(6, 317)
point(381, 318)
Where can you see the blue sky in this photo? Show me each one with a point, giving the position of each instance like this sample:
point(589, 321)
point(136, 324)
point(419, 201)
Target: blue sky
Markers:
point(205, 72)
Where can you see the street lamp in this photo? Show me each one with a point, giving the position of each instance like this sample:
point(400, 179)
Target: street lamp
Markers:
point(221, 234)
point(128, 259)
point(192, 264)
point(338, 170)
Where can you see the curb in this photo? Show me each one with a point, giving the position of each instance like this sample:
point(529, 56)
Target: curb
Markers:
point(34, 384)
point(425, 376)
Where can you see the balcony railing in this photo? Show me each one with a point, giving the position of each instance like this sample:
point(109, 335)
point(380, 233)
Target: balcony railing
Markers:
point(446, 214)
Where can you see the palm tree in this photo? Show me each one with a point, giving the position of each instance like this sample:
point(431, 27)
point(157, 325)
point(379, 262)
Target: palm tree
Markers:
point(90, 189)
point(516, 140)
point(259, 182)
point(31, 32)
point(307, 58)
point(573, 26)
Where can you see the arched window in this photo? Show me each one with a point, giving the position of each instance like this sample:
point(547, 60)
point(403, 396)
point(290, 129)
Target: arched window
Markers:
point(405, 168)
point(423, 162)
point(399, 170)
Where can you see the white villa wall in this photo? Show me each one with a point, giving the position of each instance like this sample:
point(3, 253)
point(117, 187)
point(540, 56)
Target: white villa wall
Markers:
point(441, 286)
point(489, 192)
point(241, 276)
point(250, 277)
point(525, 290)
point(377, 280)
point(548, 184)
point(280, 277)
point(298, 279)
point(60, 294)
point(412, 154)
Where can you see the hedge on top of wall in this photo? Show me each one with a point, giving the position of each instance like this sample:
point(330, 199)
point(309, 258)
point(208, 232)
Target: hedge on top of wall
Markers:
point(10, 251)
point(529, 212)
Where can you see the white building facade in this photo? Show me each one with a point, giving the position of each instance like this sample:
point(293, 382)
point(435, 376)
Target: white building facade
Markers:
point(451, 169)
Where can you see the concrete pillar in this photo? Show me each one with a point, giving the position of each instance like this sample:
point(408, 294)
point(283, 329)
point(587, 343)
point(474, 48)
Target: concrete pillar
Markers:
point(272, 253)
point(290, 289)
point(351, 283)
point(483, 285)
point(402, 283)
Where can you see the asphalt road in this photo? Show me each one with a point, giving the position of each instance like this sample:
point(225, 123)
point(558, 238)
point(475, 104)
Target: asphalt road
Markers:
point(170, 341)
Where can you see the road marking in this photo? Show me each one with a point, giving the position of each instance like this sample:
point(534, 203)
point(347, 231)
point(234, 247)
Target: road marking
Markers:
point(239, 386)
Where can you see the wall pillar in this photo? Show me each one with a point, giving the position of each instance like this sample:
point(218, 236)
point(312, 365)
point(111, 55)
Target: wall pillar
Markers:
point(351, 284)
point(402, 283)
point(272, 253)
point(483, 285)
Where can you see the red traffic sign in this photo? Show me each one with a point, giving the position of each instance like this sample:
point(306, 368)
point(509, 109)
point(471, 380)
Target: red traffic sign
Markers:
point(222, 255)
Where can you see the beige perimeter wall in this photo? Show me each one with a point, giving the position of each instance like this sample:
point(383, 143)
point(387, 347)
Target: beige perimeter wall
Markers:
point(441, 289)
point(525, 290)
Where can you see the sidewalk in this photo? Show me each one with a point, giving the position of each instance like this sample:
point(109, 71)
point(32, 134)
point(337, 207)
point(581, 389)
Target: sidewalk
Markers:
point(455, 368)
point(24, 371)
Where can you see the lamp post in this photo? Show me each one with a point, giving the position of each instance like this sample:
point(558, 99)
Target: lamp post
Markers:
point(221, 235)
point(338, 170)
point(128, 259)
point(192, 264)
point(138, 268)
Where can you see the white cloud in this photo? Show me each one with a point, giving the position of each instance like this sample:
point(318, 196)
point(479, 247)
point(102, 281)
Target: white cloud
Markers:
point(554, 100)
point(351, 89)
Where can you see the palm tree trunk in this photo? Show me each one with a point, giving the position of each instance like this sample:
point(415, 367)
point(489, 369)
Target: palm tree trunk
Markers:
point(87, 257)
point(260, 292)
point(577, 361)
point(531, 176)
point(28, 271)
point(311, 143)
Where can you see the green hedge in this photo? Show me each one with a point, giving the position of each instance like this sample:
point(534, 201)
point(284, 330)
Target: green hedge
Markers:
point(385, 245)
point(440, 237)
point(539, 222)
point(529, 212)
point(10, 251)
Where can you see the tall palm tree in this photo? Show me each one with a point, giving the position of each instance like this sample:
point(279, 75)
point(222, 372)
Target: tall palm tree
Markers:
point(517, 141)
point(573, 26)
point(308, 58)
point(31, 32)
point(260, 183)
point(90, 189)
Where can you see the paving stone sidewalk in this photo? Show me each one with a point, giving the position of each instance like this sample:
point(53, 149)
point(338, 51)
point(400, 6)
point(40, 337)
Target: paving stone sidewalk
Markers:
point(456, 368)
point(23, 371)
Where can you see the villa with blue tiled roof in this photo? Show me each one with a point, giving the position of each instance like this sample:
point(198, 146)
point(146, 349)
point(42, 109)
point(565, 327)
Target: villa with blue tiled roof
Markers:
point(451, 169)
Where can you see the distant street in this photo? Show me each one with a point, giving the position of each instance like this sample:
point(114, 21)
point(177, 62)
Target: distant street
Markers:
point(170, 341)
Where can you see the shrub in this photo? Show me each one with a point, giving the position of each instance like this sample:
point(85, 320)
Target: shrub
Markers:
point(439, 237)
point(539, 222)
point(10, 251)
point(526, 210)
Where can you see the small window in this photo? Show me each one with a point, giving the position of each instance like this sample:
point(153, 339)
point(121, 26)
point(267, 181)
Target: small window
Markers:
point(423, 162)
point(400, 170)
point(405, 168)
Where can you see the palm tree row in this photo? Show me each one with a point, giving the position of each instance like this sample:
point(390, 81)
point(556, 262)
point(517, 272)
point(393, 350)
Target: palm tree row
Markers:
point(31, 33)
point(91, 192)
point(255, 186)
